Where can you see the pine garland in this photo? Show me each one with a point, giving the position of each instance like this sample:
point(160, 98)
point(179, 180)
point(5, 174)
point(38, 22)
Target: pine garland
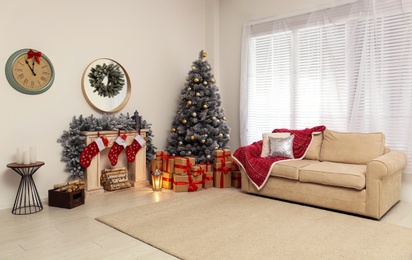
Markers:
point(115, 80)
point(73, 142)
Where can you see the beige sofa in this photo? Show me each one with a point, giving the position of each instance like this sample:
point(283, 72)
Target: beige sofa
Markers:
point(349, 172)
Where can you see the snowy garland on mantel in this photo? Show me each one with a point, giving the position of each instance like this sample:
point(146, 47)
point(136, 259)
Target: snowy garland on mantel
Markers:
point(73, 142)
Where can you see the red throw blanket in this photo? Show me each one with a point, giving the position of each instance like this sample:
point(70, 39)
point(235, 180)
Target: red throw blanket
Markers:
point(258, 168)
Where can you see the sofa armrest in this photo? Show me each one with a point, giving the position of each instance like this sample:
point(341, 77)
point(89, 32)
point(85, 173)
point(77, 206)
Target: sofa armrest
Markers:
point(386, 165)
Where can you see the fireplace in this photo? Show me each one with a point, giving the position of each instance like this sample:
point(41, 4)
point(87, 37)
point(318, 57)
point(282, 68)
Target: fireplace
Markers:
point(136, 170)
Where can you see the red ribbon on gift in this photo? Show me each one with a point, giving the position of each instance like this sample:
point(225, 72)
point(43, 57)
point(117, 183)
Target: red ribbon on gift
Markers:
point(223, 156)
point(205, 178)
point(36, 55)
point(239, 183)
point(161, 156)
point(236, 166)
point(167, 157)
point(224, 171)
point(207, 164)
point(167, 179)
point(198, 172)
point(186, 168)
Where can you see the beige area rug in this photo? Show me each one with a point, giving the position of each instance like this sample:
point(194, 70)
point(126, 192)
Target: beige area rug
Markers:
point(229, 224)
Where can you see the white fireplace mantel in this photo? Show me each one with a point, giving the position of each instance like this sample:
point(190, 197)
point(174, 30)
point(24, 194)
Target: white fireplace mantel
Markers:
point(136, 170)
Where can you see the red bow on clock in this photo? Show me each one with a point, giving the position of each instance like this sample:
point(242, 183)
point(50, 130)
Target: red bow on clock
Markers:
point(34, 54)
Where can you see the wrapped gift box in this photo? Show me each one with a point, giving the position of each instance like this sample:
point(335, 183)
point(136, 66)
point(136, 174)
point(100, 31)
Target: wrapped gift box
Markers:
point(222, 156)
point(235, 166)
point(168, 164)
point(154, 163)
point(160, 155)
point(167, 180)
point(236, 179)
point(207, 180)
point(183, 165)
point(186, 183)
point(222, 175)
point(206, 167)
point(196, 170)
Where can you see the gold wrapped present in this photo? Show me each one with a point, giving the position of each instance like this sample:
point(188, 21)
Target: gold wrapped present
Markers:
point(183, 165)
point(196, 170)
point(169, 163)
point(167, 180)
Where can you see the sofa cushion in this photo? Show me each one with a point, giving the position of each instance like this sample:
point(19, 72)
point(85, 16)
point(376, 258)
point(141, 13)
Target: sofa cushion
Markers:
point(313, 151)
point(290, 168)
point(265, 142)
point(346, 147)
point(335, 174)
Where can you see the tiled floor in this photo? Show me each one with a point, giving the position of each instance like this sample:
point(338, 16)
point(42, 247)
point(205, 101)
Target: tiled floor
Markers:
point(56, 233)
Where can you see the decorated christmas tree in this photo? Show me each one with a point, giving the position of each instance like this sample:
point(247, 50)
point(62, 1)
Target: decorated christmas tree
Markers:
point(200, 125)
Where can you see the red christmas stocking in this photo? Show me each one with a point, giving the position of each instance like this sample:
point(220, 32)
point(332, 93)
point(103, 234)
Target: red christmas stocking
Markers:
point(117, 147)
point(131, 151)
point(91, 150)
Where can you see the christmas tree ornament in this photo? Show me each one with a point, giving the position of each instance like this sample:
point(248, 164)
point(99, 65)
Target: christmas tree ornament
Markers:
point(203, 141)
point(220, 134)
point(181, 97)
point(189, 89)
point(212, 80)
point(184, 121)
point(205, 106)
point(194, 114)
point(187, 78)
point(189, 152)
point(193, 67)
point(197, 94)
point(180, 142)
point(208, 156)
point(134, 147)
point(205, 82)
point(189, 102)
point(117, 147)
point(192, 138)
point(173, 129)
point(224, 118)
point(196, 80)
point(204, 54)
point(92, 150)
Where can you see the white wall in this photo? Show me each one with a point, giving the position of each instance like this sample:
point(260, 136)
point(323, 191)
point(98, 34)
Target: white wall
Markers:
point(155, 41)
point(233, 14)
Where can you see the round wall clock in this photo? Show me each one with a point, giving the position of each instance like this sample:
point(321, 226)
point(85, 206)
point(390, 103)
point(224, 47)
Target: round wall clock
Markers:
point(29, 71)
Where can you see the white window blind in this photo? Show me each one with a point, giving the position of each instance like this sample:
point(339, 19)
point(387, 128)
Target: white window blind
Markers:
point(348, 68)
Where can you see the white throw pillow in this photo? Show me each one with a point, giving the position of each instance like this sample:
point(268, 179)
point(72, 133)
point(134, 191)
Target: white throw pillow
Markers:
point(265, 145)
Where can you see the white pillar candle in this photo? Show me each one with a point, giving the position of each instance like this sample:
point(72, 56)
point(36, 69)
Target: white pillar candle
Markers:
point(33, 154)
point(19, 156)
point(26, 157)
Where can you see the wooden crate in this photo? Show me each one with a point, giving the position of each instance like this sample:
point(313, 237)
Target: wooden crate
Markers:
point(66, 200)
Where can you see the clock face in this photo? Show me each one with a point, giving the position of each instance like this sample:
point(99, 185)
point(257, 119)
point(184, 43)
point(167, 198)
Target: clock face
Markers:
point(29, 71)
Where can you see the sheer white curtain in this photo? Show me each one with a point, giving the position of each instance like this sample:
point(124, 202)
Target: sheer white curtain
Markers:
point(347, 67)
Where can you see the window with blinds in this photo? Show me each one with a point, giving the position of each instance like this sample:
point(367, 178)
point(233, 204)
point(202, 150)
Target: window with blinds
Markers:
point(351, 73)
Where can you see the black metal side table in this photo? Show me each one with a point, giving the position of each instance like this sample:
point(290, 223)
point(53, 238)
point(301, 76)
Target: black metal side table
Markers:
point(27, 199)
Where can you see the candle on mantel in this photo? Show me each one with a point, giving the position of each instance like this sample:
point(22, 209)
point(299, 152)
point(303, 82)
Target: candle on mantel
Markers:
point(26, 157)
point(33, 154)
point(19, 156)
